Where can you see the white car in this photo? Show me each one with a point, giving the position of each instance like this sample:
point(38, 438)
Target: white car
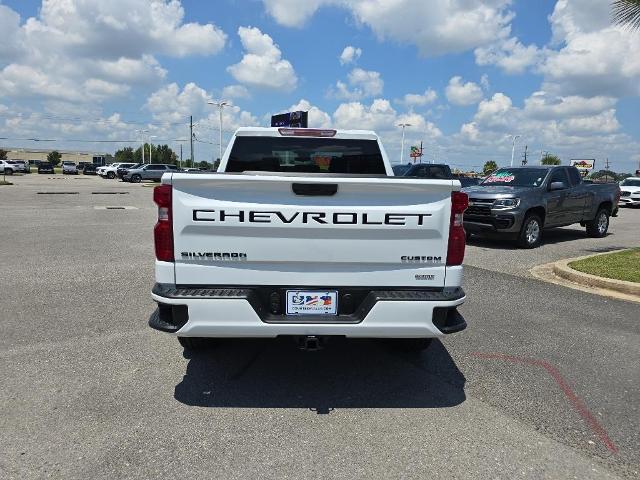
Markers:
point(108, 171)
point(308, 234)
point(630, 192)
point(8, 168)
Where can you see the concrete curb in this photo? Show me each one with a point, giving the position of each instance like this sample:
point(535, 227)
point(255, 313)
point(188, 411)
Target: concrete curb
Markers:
point(561, 274)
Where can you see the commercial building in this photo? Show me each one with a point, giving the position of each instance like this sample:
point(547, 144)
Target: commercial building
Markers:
point(37, 155)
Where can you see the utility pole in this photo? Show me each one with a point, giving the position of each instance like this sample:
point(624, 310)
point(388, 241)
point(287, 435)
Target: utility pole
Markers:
point(403, 125)
point(606, 168)
point(180, 154)
point(513, 147)
point(524, 160)
point(421, 151)
point(191, 138)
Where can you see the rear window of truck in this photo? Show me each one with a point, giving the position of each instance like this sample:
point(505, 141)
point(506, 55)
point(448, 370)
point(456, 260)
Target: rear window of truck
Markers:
point(307, 155)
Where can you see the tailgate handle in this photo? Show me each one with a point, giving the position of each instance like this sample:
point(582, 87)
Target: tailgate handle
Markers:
point(315, 189)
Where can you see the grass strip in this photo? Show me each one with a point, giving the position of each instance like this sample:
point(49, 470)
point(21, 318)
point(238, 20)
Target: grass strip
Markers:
point(619, 266)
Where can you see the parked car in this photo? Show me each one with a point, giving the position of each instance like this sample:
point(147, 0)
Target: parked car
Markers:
point(467, 181)
point(7, 167)
point(123, 167)
point(69, 168)
point(109, 171)
point(81, 165)
point(89, 169)
point(630, 192)
point(152, 171)
point(400, 170)
point(521, 202)
point(434, 171)
point(45, 168)
point(102, 169)
point(21, 166)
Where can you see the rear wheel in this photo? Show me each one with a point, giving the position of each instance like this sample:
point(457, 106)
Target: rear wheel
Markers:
point(136, 178)
point(598, 227)
point(8, 171)
point(531, 232)
point(194, 343)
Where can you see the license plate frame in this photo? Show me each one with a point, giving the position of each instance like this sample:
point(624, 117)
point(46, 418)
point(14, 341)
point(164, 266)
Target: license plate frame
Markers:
point(307, 302)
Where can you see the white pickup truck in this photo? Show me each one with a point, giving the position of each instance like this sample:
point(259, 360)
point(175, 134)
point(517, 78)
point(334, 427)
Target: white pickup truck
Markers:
point(307, 233)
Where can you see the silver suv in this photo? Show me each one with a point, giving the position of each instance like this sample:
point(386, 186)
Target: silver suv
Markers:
point(69, 168)
point(153, 171)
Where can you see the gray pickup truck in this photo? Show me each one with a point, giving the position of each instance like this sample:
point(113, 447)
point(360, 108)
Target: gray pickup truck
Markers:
point(520, 202)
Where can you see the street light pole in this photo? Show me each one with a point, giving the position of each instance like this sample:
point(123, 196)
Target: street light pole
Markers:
point(220, 104)
point(513, 147)
point(403, 125)
point(142, 132)
point(150, 145)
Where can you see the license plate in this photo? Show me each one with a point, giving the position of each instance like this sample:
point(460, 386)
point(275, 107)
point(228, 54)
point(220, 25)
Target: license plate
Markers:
point(315, 302)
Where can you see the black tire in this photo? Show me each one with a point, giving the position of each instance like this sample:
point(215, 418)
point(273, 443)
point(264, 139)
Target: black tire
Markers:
point(194, 343)
point(530, 235)
point(111, 175)
point(599, 226)
point(8, 171)
point(136, 178)
point(411, 344)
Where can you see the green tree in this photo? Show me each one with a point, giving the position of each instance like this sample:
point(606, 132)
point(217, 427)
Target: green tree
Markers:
point(164, 154)
point(489, 167)
point(216, 164)
point(54, 158)
point(124, 155)
point(626, 13)
point(550, 159)
point(204, 164)
point(3, 154)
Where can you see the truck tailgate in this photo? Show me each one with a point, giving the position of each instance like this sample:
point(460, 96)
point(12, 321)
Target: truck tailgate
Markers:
point(335, 231)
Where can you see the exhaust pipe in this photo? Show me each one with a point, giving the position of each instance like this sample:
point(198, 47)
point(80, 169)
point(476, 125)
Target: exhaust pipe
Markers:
point(310, 343)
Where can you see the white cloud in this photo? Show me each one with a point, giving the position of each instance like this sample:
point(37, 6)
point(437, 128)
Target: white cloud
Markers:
point(411, 100)
point(91, 50)
point(460, 93)
point(484, 81)
point(235, 91)
point(510, 55)
point(262, 65)
point(587, 56)
point(363, 83)
point(350, 55)
point(436, 27)
point(542, 106)
point(378, 116)
point(170, 104)
point(293, 13)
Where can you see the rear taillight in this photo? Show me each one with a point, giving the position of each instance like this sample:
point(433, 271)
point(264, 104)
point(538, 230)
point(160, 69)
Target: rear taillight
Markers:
point(163, 231)
point(455, 250)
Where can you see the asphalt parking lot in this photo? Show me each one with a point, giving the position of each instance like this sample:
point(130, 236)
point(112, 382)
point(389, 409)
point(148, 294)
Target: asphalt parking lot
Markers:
point(543, 383)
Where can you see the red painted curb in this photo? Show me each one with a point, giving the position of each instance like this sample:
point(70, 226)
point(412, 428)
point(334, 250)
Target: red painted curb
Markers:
point(568, 392)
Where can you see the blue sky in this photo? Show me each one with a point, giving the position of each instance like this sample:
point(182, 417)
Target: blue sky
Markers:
point(554, 72)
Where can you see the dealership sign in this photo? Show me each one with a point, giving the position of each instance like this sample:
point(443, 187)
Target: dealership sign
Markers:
point(583, 164)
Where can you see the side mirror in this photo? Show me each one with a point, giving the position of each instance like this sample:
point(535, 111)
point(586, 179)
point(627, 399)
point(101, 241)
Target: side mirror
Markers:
point(557, 186)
